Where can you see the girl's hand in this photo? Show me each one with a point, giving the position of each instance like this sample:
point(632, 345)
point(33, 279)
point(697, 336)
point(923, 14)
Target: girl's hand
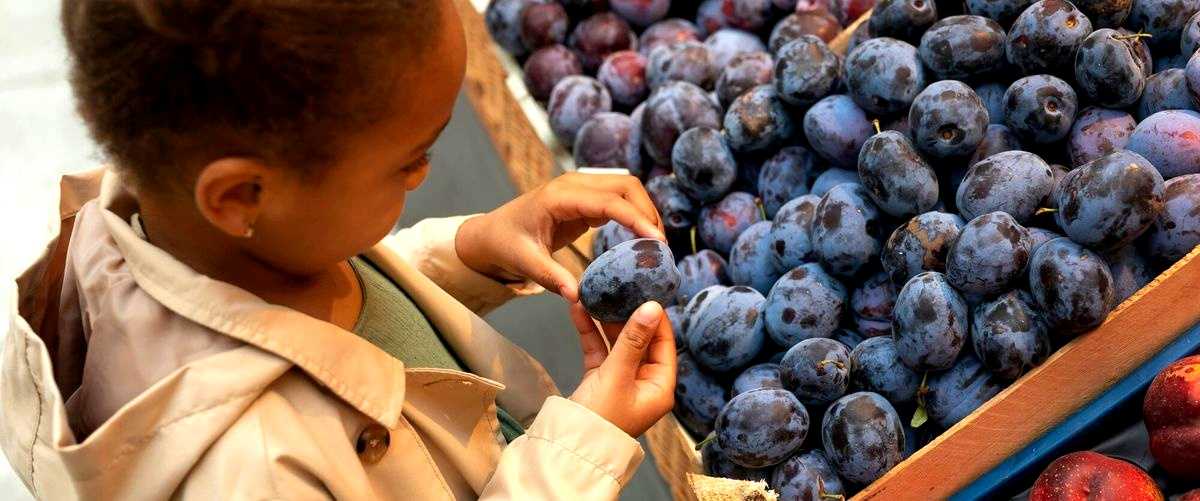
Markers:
point(514, 242)
point(633, 385)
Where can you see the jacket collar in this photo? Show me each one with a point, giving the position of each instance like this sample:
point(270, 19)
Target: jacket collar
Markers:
point(373, 383)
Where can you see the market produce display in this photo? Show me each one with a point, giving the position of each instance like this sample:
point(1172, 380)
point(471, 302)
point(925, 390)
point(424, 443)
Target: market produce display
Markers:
point(870, 246)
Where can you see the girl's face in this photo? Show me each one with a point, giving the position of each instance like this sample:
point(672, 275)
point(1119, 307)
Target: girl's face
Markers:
point(307, 225)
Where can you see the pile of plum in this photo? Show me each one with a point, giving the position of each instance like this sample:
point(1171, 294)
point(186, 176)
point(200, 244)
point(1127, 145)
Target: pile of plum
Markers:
point(872, 245)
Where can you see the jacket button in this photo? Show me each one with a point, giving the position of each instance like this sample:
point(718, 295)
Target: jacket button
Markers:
point(372, 443)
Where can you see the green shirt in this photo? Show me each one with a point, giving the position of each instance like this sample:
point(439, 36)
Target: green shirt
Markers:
point(391, 321)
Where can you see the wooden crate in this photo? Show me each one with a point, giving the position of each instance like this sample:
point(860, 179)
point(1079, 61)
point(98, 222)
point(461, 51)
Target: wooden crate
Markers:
point(1070, 384)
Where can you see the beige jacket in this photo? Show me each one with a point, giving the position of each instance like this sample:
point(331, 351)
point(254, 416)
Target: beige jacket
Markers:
point(129, 376)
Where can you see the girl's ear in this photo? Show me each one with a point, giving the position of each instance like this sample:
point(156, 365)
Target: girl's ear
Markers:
point(230, 194)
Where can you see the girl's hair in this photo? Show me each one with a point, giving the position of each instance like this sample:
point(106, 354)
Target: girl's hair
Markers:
point(166, 86)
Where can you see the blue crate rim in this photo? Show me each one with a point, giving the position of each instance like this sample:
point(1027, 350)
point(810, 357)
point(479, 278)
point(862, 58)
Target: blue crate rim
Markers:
point(987, 485)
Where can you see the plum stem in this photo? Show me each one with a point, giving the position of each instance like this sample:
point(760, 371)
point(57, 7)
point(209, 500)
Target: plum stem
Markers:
point(1044, 210)
point(825, 495)
point(921, 415)
point(707, 440)
point(875, 122)
point(836, 363)
point(1133, 36)
point(693, 237)
point(762, 210)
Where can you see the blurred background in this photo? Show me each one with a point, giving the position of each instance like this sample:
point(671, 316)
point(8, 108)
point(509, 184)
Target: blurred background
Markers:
point(41, 137)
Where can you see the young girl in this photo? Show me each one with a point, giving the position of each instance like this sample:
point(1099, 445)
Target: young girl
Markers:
point(219, 318)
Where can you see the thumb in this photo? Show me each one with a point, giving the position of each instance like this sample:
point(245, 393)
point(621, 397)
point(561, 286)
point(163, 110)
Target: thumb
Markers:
point(630, 349)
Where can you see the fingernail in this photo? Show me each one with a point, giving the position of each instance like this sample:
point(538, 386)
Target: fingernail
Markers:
point(647, 314)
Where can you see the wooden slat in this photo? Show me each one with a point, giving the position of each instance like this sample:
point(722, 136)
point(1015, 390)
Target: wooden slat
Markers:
point(674, 455)
point(1073, 376)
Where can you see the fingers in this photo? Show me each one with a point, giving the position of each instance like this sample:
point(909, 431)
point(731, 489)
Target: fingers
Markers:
point(637, 211)
point(541, 267)
point(589, 205)
point(592, 345)
point(659, 367)
point(630, 349)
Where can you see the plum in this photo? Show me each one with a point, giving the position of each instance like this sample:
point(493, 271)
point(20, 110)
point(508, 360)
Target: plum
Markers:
point(836, 129)
point(863, 437)
point(884, 75)
point(609, 140)
point(805, 303)
point(920, 245)
point(790, 232)
point(608, 236)
point(676, 317)
point(848, 337)
point(765, 375)
point(963, 47)
point(700, 271)
point(902, 19)
point(1002, 11)
point(875, 366)
point(716, 464)
point(1109, 70)
point(543, 24)
point(1040, 109)
point(1165, 90)
point(957, 392)
point(598, 36)
point(1130, 271)
point(1008, 335)
point(546, 67)
point(997, 139)
point(896, 177)
point(671, 110)
point(624, 74)
point(1163, 20)
point(1043, 39)
point(784, 177)
point(806, 70)
point(947, 119)
point(1072, 286)
point(1110, 201)
point(758, 121)
point(727, 43)
point(992, 95)
point(816, 370)
point(503, 20)
point(1170, 140)
point(704, 164)
point(625, 277)
point(677, 210)
point(1014, 182)
point(641, 13)
point(929, 323)
point(833, 177)
point(667, 32)
point(744, 72)
point(574, 100)
point(722, 222)
point(807, 475)
point(991, 251)
point(699, 398)
point(1176, 231)
point(726, 331)
point(1098, 132)
point(845, 230)
point(761, 428)
point(819, 23)
point(751, 262)
point(681, 61)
